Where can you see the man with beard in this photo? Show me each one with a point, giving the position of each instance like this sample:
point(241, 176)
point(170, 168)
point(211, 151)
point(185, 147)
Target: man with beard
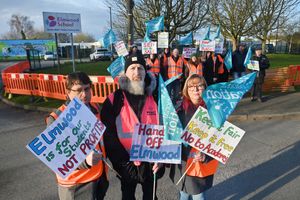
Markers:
point(131, 104)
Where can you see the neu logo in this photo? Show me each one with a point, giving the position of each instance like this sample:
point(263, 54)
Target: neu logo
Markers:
point(51, 21)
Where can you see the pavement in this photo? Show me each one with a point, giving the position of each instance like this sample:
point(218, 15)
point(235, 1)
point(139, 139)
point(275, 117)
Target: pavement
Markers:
point(275, 106)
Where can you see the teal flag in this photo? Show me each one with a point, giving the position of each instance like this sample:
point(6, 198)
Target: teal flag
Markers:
point(168, 115)
point(147, 37)
point(109, 38)
point(156, 24)
point(187, 39)
point(116, 67)
point(248, 57)
point(170, 80)
point(207, 36)
point(228, 59)
point(218, 32)
point(222, 98)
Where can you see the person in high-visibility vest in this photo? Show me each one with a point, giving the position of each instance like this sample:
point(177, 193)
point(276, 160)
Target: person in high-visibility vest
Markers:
point(164, 63)
point(89, 180)
point(131, 104)
point(200, 167)
point(213, 66)
point(153, 64)
point(194, 67)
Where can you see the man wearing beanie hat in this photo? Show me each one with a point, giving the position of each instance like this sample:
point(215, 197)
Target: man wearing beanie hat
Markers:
point(256, 91)
point(131, 104)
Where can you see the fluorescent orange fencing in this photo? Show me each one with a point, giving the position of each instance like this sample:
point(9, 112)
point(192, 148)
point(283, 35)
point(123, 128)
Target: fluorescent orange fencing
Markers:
point(17, 68)
point(277, 80)
point(294, 75)
point(54, 86)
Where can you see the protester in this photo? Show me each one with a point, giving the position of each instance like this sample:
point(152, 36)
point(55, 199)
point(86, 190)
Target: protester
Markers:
point(199, 177)
point(264, 64)
point(153, 64)
point(89, 180)
point(194, 66)
point(223, 74)
point(238, 59)
point(134, 50)
point(164, 63)
point(131, 104)
point(211, 66)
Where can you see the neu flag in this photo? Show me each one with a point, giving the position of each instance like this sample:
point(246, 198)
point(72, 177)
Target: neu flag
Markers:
point(222, 98)
point(109, 38)
point(116, 67)
point(187, 39)
point(228, 59)
point(218, 32)
point(147, 38)
point(207, 36)
point(248, 57)
point(156, 24)
point(168, 115)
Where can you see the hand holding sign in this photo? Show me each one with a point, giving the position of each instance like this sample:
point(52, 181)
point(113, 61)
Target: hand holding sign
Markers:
point(93, 158)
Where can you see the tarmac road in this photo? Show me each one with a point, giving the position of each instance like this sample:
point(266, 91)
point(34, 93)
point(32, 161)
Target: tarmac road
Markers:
point(265, 165)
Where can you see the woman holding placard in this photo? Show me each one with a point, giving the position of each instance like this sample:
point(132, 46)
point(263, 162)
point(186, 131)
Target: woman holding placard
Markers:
point(197, 168)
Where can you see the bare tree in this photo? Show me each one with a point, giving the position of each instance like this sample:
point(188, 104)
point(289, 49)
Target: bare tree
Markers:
point(21, 25)
point(234, 17)
point(180, 16)
point(84, 37)
point(268, 15)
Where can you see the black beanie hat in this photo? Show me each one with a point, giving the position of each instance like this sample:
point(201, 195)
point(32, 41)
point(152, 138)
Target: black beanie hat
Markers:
point(135, 59)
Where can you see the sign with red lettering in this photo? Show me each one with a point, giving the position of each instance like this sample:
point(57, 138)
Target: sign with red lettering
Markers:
point(149, 145)
point(149, 48)
point(217, 143)
point(207, 45)
point(121, 48)
point(188, 52)
point(64, 144)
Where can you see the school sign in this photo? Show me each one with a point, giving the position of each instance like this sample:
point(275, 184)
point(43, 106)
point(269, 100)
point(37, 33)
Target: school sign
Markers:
point(61, 22)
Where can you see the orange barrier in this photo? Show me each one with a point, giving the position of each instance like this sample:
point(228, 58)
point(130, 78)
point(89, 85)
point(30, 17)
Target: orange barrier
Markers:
point(294, 75)
point(17, 68)
point(277, 80)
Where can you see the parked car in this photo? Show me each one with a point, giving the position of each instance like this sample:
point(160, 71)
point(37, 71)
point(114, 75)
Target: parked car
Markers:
point(49, 55)
point(100, 54)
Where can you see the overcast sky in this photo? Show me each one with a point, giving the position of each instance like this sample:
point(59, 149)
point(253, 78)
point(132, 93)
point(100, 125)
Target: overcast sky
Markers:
point(94, 13)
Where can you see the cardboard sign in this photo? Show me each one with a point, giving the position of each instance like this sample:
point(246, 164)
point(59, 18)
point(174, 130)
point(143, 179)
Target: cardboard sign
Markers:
point(207, 45)
point(149, 145)
point(149, 47)
point(219, 46)
point(121, 48)
point(69, 139)
point(253, 65)
point(217, 143)
point(163, 40)
point(188, 52)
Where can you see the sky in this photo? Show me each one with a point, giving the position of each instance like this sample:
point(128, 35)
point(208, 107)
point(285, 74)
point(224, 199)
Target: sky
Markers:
point(94, 13)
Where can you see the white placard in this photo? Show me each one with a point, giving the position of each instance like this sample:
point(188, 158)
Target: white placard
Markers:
point(253, 65)
point(149, 48)
point(207, 45)
point(121, 48)
point(61, 22)
point(163, 40)
point(188, 52)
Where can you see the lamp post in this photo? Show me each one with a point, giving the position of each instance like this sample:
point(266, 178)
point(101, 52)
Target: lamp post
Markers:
point(130, 5)
point(110, 19)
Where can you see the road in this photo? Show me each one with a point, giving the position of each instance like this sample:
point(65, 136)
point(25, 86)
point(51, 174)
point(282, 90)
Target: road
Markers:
point(265, 165)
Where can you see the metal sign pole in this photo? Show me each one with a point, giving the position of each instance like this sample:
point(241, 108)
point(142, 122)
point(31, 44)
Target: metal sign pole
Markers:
point(72, 52)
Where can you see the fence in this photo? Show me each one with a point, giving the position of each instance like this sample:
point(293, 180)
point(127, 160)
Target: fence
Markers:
point(54, 86)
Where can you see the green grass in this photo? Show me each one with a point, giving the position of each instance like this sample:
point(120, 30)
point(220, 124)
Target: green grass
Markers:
point(283, 60)
point(92, 68)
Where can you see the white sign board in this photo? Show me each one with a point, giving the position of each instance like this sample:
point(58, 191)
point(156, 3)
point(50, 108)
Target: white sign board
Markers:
point(217, 143)
point(253, 65)
point(188, 52)
point(219, 46)
point(69, 139)
point(149, 145)
point(121, 48)
point(206, 45)
point(149, 48)
point(163, 40)
point(61, 22)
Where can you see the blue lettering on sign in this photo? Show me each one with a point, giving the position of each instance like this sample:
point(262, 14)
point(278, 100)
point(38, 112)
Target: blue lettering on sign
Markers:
point(49, 138)
point(141, 152)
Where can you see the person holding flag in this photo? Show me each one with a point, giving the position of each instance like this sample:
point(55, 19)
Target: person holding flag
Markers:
point(238, 59)
point(89, 180)
point(131, 104)
point(153, 64)
point(199, 169)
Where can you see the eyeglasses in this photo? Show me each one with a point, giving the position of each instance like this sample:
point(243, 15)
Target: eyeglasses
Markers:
point(81, 90)
point(194, 87)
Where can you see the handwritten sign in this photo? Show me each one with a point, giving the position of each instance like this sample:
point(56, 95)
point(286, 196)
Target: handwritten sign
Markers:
point(188, 52)
point(163, 40)
point(219, 46)
point(253, 65)
point(121, 48)
point(69, 139)
point(217, 143)
point(149, 48)
point(149, 145)
point(207, 45)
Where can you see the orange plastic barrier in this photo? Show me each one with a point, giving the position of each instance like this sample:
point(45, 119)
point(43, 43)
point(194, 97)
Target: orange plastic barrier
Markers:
point(17, 68)
point(294, 75)
point(102, 86)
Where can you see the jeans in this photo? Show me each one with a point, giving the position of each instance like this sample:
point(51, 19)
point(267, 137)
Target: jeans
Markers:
point(186, 196)
point(237, 75)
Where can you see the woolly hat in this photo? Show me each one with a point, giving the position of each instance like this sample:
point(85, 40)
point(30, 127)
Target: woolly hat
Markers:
point(135, 59)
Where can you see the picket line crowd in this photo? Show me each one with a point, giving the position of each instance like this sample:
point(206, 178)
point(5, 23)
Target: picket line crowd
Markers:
point(136, 102)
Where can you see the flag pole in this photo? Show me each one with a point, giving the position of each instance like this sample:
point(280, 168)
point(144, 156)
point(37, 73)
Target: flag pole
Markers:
point(154, 185)
point(185, 173)
point(110, 167)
